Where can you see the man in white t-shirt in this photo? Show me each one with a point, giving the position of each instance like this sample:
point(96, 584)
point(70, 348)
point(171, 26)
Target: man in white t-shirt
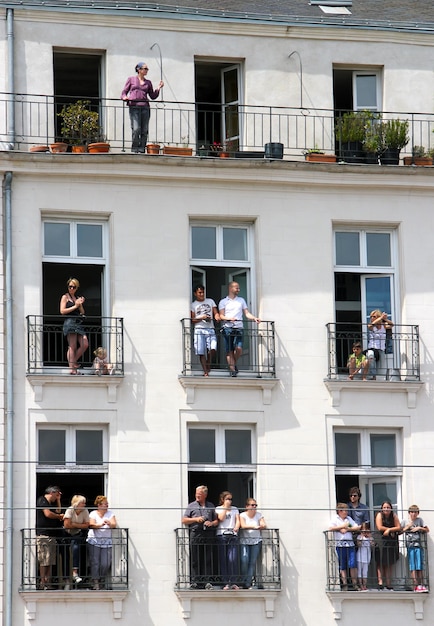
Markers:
point(203, 313)
point(231, 311)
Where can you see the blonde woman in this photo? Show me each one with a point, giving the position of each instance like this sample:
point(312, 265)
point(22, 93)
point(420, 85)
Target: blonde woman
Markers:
point(378, 325)
point(75, 521)
point(71, 306)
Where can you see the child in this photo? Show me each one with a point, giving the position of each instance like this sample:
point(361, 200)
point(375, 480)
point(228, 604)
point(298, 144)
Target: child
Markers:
point(343, 527)
point(365, 543)
point(412, 528)
point(357, 361)
point(100, 364)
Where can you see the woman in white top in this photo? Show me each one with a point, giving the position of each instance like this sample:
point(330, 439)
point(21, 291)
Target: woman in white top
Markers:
point(99, 539)
point(377, 327)
point(227, 540)
point(75, 521)
point(252, 523)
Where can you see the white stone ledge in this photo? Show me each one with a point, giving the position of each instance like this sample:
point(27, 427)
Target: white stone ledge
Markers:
point(224, 597)
point(337, 387)
point(191, 383)
point(337, 598)
point(75, 598)
point(39, 381)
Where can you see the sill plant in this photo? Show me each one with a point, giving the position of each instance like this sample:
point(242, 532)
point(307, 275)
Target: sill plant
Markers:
point(80, 125)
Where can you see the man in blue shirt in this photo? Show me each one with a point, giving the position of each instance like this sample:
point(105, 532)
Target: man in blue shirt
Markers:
point(358, 511)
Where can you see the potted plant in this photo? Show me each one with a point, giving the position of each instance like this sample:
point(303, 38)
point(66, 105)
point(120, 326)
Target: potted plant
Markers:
point(80, 125)
point(319, 156)
point(153, 148)
point(372, 142)
point(177, 151)
point(395, 136)
point(419, 157)
point(350, 132)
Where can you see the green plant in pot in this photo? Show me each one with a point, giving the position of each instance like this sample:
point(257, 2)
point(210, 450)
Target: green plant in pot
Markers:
point(80, 125)
point(395, 136)
point(350, 132)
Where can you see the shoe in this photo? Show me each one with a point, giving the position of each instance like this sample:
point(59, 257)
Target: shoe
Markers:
point(424, 589)
point(208, 586)
point(76, 580)
point(236, 368)
point(235, 587)
point(67, 587)
point(95, 587)
point(233, 374)
point(193, 586)
point(226, 588)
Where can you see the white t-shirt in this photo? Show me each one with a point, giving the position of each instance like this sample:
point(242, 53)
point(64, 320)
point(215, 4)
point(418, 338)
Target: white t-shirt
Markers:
point(76, 517)
point(251, 536)
point(233, 308)
point(229, 521)
point(100, 536)
point(204, 308)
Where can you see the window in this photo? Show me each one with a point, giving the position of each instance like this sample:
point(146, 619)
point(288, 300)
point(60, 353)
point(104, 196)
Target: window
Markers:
point(222, 457)
point(369, 459)
point(357, 90)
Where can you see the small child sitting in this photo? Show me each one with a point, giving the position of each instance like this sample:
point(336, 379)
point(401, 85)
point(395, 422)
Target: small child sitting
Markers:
point(358, 364)
point(365, 543)
point(100, 363)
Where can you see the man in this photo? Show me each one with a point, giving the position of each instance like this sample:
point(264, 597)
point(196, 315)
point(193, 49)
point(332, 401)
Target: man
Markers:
point(49, 520)
point(203, 313)
point(201, 518)
point(356, 510)
point(231, 311)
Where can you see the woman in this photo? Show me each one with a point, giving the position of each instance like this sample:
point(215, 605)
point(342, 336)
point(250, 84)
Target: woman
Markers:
point(378, 326)
point(99, 538)
point(252, 522)
point(72, 307)
point(387, 553)
point(136, 92)
point(227, 540)
point(75, 521)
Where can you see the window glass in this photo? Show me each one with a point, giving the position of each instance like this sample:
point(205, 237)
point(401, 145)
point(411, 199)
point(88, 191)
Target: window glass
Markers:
point(366, 91)
point(235, 244)
point(378, 249)
point(51, 447)
point(203, 242)
point(88, 447)
point(201, 445)
point(238, 446)
point(89, 240)
point(347, 449)
point(384, 491)
point(383, 451)
point(56, 239)
point(347, 248)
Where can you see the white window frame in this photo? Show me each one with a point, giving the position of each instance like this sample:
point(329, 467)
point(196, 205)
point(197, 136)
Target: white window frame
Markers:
point(220, 260)
point(73, 256)
point(220, 450)
point(366, 72)
point(70, 449)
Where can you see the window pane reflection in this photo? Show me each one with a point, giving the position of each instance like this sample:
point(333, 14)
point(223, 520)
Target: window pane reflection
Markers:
point(88, 445)
point(235, 244)
point(56, 239)
point(89, 240)
point(201, 445)
point(203, 242)
point(347, 449)
point(347, 249)
point(378, 249)
point(238, 446)
point(383, 451)
point(51, 447)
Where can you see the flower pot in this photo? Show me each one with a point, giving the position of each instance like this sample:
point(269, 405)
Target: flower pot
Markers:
point(274, 150)
point(177, 151)
point(417, 161)
point(371, 158)
point(39, 149)
point(78, 149)
point(100, 146)
point(153, 148)
point(352, 152)
point(320, 158)
point(224, 155)
point(390, 156)
point(58, 147)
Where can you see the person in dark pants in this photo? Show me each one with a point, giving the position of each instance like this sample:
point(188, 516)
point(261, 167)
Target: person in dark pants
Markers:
point(201, 518)
point(49, 519)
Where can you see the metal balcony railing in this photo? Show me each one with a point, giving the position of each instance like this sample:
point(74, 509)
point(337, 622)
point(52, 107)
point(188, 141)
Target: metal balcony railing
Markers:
point(61, 572)
point(258, 357)
point(401, 579)
point(47, 346)
point(399, 361)
point(206, 550)
point(28, 119)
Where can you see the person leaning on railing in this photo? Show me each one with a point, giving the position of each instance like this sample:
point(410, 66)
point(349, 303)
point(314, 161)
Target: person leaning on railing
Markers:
point(412, 528)
point(48, 528)
point(343, 528)
point(252, 523)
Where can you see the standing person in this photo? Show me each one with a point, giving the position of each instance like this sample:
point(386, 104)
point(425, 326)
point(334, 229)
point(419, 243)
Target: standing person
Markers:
point(358, 511)
point(136, 92)
point(387, 553)
point(412, 528)
point(203, 312)
point(75, 521)
point(201, 518)
point(227, 540)
point(343, 527)
point(49, 519)
point(231, 311)
point(378, 325)
point(71, 306)
point(99, 539)
point(365, 543)
point(251, 522)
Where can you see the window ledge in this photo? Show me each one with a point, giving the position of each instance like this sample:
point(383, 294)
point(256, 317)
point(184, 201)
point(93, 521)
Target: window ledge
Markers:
point(190, 383)
point(38, 382)
point(337, 598)
point(186, 597)
point(31, 599)
point(411, 388)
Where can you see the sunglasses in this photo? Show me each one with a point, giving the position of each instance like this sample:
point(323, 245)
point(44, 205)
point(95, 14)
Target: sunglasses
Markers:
point(72, 287)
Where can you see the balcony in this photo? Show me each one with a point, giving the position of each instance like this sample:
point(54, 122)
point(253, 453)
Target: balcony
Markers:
point(401, 580)
point(29, 119)
point(61, 587)
point(266, 580)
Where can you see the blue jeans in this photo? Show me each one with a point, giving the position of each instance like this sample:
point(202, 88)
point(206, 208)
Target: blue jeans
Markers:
point(249, 556)
point(139, 118)
point(228, 559)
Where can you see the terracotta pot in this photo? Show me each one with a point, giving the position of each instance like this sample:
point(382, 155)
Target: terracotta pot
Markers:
point(153, 148)
point(224, 155)
point(39, 149)
point(100, 146)
point(417, 161)
point(177, 151)
point(79, 149)
point(320, 158)
point(58, 146)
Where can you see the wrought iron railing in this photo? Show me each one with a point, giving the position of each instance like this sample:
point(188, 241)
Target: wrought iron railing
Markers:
point(29, 119)
point(398, 361)
point(258, 356)
point(60, 576)
point(207, 549)
point(47, 345)
point(382, 557)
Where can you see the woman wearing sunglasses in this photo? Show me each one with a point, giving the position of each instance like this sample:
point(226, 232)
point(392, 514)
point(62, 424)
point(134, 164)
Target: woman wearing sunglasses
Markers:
point(252, 522)
point(71, 306)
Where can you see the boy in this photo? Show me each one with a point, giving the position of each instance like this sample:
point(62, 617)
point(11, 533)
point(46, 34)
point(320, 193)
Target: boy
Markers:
point(343, 527)
point(357, 361)
point(412, 528)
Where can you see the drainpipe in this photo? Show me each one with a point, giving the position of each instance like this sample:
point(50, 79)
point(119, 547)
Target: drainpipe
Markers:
point(11, 78)
point(8, 332)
